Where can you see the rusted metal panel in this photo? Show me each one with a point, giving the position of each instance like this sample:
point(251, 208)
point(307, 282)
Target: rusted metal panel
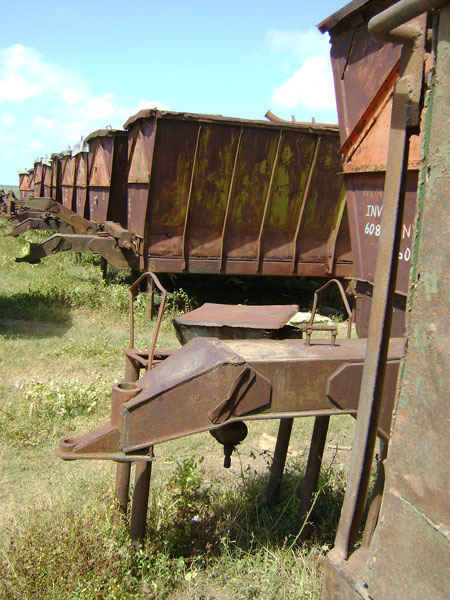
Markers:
point(179, 397)
point(81, 182)
point(236, 322)
point(365, 71)
point(108, 176)
point(68, 172)
point(416, 506)
point(56, 191)
point(43, 178)
point(409, 553)
point(228, 195)
point(365, 207)
point(26, 186)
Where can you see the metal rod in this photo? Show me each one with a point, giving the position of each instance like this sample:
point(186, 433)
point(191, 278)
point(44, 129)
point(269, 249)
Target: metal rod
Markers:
point(266, 203)
point(279, 461)
point(384, 25)
point(332, 237)
point(227, 209)
point(344, 300)
point(140, 499)
point(312, 472)
point(303, 204)
point(122, 487)
point(104, 267)
point(186, 218)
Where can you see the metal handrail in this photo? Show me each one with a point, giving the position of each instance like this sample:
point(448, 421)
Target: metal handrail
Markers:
point(344, 299)
point(154, 281)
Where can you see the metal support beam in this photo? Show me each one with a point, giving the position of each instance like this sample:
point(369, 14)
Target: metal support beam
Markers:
point(279, 460)
point(312, 472)
point(140, 499)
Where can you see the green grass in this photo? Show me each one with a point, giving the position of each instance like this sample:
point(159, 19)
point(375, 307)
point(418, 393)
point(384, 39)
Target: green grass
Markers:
point(210, 534)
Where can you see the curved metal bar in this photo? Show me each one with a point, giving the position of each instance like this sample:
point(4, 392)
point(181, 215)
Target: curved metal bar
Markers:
point(163, 291)
point(344, 299)
point(392, 22)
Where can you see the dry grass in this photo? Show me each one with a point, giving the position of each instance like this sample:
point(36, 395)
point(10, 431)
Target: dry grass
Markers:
point(210, 533)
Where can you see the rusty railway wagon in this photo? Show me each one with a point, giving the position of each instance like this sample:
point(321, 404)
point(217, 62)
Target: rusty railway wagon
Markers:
point(209, 194)
point(365, 72)
point(219, 384)
point(405, 546)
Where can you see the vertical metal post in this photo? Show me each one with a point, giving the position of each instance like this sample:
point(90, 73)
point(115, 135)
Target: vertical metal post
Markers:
point(229, 201)
point(121, 393)
point(303, 204)
point(140, 499)
point(122, 487)
point(312, 472)
point(279, 460)
point(266, 203)
point(184, 245)
point(104, 267)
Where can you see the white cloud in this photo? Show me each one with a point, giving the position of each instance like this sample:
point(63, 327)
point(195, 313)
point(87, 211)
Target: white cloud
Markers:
point(15, 87)
point(298, 42)
point(152, 104)
point(35, 145)
point(7, 119)
point(311, 87)
point(304, 57)
point(51, 107)
point(44, 122)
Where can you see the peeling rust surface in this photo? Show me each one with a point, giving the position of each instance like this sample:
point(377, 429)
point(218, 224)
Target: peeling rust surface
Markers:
point(219, 195)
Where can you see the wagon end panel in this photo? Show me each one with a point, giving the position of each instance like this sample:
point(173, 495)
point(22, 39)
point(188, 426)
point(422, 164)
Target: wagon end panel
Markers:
point(68, 182)
point(117, 207)
point(81, 185)
point(141, 139)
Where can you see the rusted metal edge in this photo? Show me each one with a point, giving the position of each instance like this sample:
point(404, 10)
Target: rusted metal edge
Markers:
point(266, 203)
point(337, 17)
point(229, 197)
point(377, 104)
point(326, 129)
point(249, 417)
point(333, 235)
point(189, 198)
point(99, 133)
point(303, 204)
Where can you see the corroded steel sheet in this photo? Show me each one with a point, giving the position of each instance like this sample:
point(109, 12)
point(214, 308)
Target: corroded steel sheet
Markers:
point(365, 71)
point(68, 171)
point(244, 379)
point(26, 185)
point(219, 195)
point(256, 317)
point(409, 553)
point(81, 184)
point(236, 322)
point(56, 191)
point(107, 191)
point(43, 178)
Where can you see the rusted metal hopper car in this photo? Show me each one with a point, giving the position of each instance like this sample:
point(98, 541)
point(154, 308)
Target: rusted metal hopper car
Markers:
point(365, 72)
point(209, 194)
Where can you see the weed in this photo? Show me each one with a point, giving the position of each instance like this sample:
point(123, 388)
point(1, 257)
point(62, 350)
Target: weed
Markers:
point(42, 411)
point(179, 302)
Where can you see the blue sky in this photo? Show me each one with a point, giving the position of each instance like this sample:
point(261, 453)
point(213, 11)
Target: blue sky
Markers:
point(69, 68)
